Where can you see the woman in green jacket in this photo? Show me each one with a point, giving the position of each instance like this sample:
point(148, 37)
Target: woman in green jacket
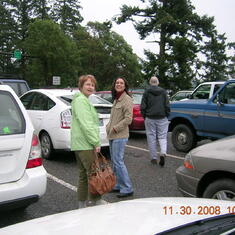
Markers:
point(85, 139)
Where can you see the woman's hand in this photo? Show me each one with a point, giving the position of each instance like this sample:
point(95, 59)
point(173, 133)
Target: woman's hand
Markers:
point(97, 149)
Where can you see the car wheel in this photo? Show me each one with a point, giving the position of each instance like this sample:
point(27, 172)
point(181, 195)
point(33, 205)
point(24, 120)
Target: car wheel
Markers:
point(183, 138)
point(223, 189)
point(46, 146)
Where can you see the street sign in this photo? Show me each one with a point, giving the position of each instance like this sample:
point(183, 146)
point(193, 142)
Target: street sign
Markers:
point(17, 54)
point(55, 80)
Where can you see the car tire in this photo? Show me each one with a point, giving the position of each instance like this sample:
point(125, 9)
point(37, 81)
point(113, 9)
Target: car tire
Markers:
point(46, 145)
point(183, 138)
point(223, 189)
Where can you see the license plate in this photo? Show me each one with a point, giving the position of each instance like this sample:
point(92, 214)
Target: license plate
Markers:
point(101, 122)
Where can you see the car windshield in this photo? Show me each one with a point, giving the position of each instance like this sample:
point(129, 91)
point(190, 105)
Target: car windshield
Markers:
point(223, 224)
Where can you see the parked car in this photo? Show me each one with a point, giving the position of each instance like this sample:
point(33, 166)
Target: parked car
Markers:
point(139, 216)
point(107, 95)
point(23, 178)
point(209, 171)
point(206, 90)
point(198, 119)
point(138, 120)
point(50, 112)
point(180, 95)
point(18, 85)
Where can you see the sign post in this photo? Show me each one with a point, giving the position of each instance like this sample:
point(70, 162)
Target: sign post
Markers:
point(55, 80)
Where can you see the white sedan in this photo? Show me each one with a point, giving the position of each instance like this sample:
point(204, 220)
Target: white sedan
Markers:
point(50, 112)
point(139, 217)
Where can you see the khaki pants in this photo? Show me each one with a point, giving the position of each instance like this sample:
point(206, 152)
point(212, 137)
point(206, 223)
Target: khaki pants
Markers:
point(84, 160)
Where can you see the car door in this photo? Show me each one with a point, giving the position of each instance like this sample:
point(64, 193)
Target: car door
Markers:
point(16, 133)
point(202, 92)
point(219, 115)
point(38, 109)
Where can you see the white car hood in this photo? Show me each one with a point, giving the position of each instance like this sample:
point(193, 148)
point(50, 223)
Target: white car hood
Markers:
point(139, 216)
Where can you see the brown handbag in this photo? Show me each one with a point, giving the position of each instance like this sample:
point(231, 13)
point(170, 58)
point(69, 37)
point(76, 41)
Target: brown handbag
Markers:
point(101, 179)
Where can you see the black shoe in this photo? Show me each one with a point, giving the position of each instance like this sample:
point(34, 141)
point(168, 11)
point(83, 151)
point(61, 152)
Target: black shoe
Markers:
point(121, 195)
point(162, 160)
point(154, 161)
point(115, 191)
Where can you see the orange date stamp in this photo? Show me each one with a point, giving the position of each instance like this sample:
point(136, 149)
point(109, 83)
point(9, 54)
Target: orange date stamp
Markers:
point(199, 210)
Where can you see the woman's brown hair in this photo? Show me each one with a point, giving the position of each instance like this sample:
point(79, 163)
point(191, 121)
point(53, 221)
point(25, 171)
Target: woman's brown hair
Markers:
point(114, 91)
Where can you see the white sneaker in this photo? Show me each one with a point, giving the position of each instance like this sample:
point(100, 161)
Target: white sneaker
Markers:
point(82, 204)
point(96, 203)
point(101, 202)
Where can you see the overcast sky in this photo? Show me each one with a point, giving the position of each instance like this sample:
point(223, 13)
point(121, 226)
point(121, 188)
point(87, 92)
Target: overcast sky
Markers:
point(101, 10)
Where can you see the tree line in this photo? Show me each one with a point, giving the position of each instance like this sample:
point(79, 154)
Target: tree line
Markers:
point(53, 42)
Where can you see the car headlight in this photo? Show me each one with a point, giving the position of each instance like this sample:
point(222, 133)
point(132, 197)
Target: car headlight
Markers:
point(188, 163)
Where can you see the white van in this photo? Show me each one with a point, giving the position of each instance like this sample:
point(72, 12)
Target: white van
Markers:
point(23, 178)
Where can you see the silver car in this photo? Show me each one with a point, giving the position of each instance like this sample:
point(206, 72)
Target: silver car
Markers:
point(209, 171)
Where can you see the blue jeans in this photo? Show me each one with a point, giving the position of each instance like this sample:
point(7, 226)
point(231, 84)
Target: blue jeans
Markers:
point(117, 147)
point(156, 129)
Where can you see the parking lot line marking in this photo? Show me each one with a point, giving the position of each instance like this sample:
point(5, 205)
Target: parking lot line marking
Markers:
point(146, 150)
point(74, 188)
point(67, 185)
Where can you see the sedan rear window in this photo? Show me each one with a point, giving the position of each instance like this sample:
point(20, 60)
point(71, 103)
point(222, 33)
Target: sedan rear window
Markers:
point(137, 97)
point(11, 118)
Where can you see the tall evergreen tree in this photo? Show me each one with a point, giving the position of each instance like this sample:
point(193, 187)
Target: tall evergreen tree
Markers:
point(215, 66)
point(180, 32)
point(41, 9)
point(51, 52)
point(8, 36)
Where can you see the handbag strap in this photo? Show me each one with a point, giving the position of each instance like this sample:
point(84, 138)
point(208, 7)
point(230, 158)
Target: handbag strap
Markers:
point(99, 161)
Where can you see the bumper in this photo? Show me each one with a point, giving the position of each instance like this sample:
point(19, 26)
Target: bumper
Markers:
point(137, 124)
point(61, 139)
point(27, 190)
point(187, 182)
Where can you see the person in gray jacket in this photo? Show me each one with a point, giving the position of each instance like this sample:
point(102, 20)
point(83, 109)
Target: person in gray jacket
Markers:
point(155, 109)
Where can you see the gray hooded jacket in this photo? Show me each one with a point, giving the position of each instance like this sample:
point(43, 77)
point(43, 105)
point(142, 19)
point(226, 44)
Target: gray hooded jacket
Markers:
point(155, 103)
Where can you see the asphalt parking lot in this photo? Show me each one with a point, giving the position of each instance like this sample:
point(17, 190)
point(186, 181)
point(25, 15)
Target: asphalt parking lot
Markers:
point(148, 181)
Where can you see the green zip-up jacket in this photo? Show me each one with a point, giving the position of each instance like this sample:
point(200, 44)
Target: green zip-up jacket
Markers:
point(85, 124)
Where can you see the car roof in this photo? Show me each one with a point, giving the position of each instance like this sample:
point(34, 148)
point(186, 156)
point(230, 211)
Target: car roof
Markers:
point(66, 92)
point(215, 82)
point(137, 216)
point(6, 88)
point(56, 92)
point(103, 92)
point(184, 91)
point(109, 92)
point(11, 80)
